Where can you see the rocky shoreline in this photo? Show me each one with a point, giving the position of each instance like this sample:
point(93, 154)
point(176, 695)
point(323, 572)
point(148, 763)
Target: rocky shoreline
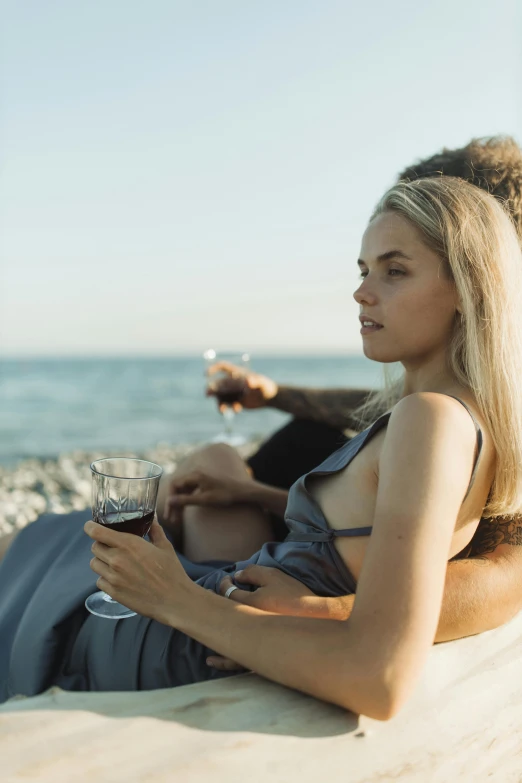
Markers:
point(39, 486)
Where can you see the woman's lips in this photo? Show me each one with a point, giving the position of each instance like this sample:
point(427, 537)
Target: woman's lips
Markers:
point(369, 326)
point(371, 329)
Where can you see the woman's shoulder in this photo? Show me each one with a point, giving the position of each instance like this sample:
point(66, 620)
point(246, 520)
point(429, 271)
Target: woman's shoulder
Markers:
point(431, 440)
point(434, 404)
point(426, 414)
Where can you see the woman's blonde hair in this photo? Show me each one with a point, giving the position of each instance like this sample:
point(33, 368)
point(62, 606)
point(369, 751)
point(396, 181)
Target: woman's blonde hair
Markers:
point(479, 247)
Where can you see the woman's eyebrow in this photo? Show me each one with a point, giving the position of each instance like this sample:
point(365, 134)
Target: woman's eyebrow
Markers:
point(389, 256)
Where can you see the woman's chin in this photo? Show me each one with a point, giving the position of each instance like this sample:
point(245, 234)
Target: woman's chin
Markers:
point(375, 354)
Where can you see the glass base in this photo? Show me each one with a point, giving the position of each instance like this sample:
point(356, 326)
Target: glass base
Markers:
point(231, 440)
point(102, 605)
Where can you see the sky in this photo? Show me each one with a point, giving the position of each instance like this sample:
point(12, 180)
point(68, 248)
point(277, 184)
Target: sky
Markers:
point(177, 175)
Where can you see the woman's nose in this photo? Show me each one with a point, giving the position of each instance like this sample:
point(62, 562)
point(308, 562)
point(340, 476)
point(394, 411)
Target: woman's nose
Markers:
point(364, 294)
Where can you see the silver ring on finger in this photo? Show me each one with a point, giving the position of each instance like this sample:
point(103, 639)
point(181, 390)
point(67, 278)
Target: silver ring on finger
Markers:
point(230, 590)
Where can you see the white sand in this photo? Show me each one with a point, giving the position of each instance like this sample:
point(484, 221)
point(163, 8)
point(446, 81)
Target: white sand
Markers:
point(464, 723)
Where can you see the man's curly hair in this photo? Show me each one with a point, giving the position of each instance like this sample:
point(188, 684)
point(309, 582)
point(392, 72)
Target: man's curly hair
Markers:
point(493, 164)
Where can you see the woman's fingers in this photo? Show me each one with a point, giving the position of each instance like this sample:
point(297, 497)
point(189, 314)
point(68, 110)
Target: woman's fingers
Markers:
point(226, 582)
point(182, 492)
point(103, 584)
point(186, 484)
point(158, 537)
point(105, 535)
point(224, 664)
point(173, 513)
point(257, 576)
point(100, 567)
point(241, 596)
point(101, 551)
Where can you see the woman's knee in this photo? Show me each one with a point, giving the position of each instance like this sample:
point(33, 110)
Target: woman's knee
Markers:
point(217, 458)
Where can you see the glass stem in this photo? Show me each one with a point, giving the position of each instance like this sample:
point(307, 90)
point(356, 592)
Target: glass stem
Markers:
point(228, 417)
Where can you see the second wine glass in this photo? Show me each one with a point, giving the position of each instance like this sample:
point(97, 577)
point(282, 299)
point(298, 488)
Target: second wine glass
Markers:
point(228, 387)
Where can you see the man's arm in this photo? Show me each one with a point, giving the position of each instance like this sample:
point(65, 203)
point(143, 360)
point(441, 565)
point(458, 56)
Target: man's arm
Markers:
point(330, 406)
point(496, 532)
point(481, 592)
point(484, 590)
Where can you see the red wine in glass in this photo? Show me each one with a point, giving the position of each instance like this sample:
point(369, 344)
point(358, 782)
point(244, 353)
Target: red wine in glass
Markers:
point(136, 522)
point(231, 390)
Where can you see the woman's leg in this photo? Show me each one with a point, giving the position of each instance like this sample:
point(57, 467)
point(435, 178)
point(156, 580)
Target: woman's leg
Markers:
point(232, 533)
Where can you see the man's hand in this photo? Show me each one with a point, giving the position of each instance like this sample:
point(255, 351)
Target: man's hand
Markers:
point(256, 392)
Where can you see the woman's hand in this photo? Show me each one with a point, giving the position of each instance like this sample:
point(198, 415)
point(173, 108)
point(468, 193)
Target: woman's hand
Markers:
point(257, 389)
point(276, 592)
point(145, 576)
point(198, 488)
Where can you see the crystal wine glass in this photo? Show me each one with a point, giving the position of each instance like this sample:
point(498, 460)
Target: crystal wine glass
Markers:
point(228, 388)
point(124, 494)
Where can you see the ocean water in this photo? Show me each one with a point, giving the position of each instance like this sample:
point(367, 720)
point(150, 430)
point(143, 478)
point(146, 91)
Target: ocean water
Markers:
point(52, 406)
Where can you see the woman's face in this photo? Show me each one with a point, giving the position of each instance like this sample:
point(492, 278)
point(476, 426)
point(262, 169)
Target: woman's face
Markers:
point(405, 296)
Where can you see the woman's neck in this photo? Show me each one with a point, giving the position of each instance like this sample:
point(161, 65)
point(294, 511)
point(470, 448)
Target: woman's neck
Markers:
point(432, 375)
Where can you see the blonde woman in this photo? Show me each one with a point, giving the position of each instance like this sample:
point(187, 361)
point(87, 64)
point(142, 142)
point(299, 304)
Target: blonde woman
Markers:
point(441, 283)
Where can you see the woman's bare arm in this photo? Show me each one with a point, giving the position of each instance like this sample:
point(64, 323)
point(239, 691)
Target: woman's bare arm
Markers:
point(481, 592)
point(370, 663)
point(268, 498)
point(201, 488)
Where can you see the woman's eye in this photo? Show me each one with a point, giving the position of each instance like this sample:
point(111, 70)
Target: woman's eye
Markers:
point(391, 273)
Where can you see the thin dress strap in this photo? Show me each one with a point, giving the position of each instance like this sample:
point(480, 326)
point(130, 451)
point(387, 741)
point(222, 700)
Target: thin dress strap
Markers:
point(480, 441)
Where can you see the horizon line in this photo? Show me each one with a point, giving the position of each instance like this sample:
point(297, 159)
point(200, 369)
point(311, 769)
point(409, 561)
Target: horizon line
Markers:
point(287, 353)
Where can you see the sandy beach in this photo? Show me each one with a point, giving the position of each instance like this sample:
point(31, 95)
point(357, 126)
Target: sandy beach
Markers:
point(34, 487)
